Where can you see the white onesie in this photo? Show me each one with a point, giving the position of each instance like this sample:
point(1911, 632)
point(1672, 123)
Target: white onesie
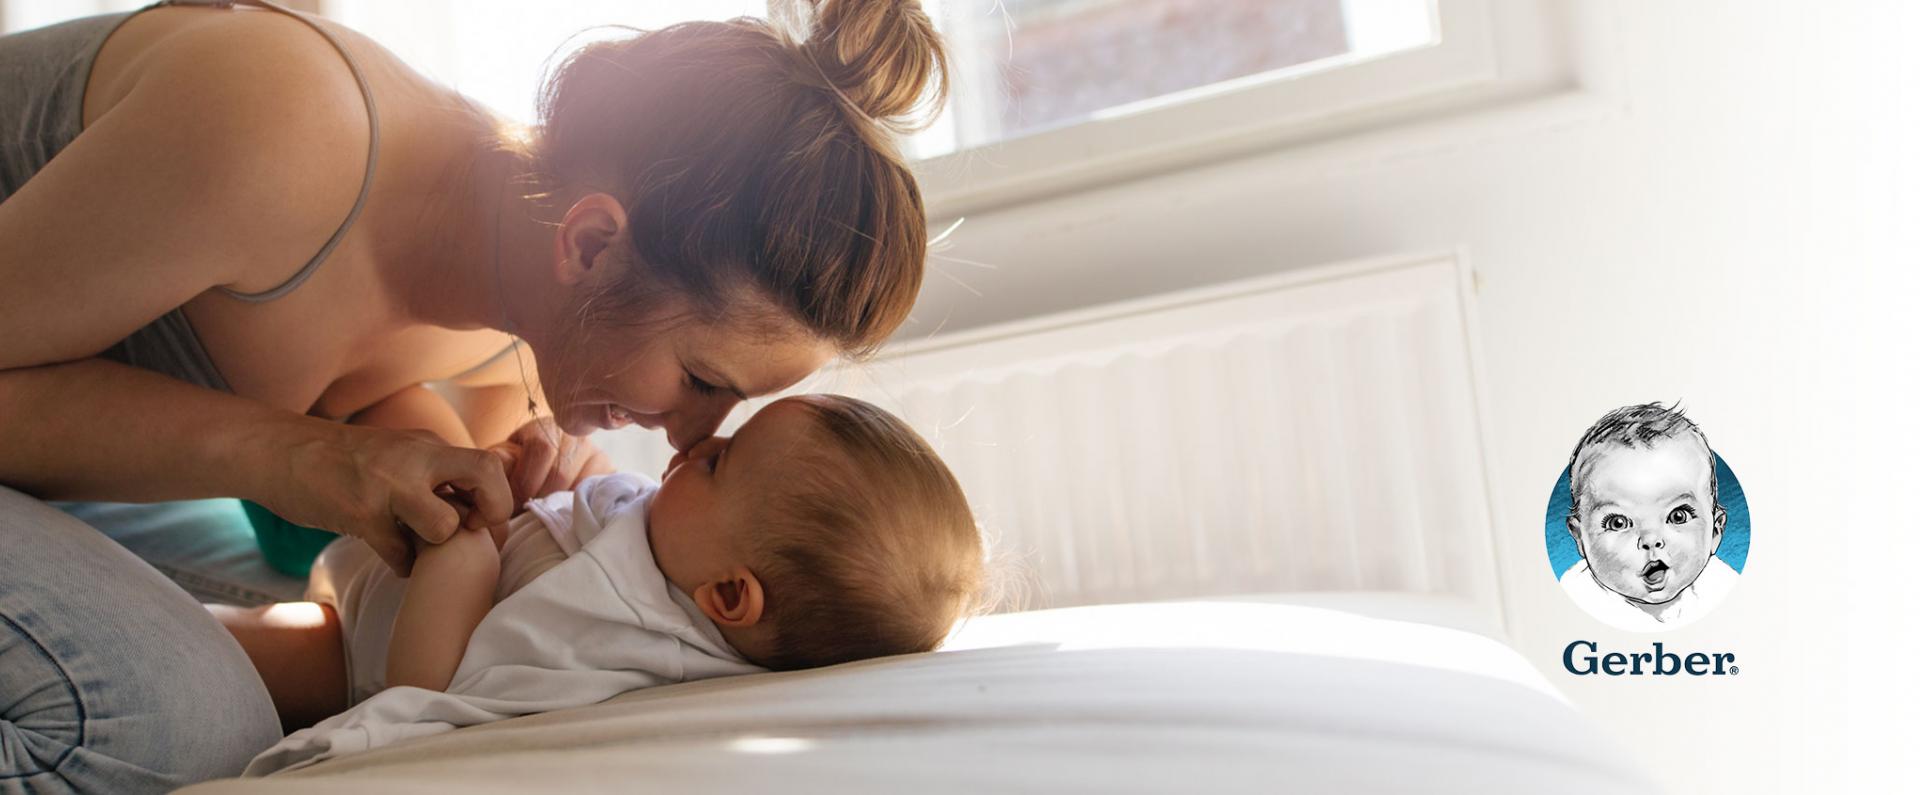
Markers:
point(351, 579)
point(582, 614)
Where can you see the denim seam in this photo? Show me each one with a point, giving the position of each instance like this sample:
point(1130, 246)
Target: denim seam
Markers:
point(79, 706)
point(203, 586)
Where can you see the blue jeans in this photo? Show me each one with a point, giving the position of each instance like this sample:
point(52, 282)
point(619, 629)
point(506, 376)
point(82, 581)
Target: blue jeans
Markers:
point(112, 677)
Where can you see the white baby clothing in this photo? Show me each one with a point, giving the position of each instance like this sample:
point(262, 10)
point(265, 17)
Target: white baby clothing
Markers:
point(582, 614)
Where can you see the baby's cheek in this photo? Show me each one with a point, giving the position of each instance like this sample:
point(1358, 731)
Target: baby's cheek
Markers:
point(1690, 544)
point(1607, 551)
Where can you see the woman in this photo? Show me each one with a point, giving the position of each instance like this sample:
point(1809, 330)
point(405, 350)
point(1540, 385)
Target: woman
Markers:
point(258, 225)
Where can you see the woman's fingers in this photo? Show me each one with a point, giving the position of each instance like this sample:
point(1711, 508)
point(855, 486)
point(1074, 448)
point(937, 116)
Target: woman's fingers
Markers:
point(392, 547)
point(427, 515)
point(483, 480)
point(536, 460)
point(565, 465)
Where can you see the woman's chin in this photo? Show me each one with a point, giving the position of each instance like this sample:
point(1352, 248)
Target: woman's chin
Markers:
point(579, 420)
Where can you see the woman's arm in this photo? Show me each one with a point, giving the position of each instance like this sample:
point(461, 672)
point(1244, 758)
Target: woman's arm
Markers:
point(493, 398)
point(96, 429)
point(205, 171)
point(492, 412)
point(417, 408)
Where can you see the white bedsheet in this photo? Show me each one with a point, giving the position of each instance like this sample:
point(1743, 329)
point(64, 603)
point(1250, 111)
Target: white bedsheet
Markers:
point(1314, 694)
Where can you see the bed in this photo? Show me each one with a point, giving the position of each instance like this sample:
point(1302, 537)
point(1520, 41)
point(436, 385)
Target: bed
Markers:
point(1351, 693)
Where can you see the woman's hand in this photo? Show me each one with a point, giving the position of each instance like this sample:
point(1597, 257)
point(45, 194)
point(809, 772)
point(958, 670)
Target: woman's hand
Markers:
point(384, 486)
point(541, 459)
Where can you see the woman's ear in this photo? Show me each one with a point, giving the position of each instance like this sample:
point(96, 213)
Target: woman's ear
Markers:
point(736, 601)
point(590, 227)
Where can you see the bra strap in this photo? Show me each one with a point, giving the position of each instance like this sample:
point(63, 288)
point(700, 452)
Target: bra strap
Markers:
point(373, 150)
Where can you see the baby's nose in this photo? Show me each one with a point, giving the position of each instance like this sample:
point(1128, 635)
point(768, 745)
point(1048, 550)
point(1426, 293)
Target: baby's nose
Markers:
point(1649, 543)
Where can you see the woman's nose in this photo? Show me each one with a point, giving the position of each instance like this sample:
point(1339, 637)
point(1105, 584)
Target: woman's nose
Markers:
point(685, 429)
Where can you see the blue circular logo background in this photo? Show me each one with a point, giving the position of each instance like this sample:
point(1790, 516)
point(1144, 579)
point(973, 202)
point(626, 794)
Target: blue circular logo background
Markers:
point(1563, 553)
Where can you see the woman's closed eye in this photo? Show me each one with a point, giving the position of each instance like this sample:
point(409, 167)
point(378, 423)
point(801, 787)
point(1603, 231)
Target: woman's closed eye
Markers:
point(705, 389)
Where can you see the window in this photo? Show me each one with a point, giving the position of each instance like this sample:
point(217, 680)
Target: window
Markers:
point(1047, 95)
point(1023, 66)
point(497, 51)
point(1081, 93)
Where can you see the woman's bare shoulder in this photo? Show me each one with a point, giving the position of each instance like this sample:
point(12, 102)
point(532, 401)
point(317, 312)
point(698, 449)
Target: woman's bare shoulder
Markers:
point(254, 85)
point(222, 153)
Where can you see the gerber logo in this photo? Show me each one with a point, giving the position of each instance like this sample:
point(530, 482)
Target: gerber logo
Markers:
point(1647, 529)
point(1583, 658)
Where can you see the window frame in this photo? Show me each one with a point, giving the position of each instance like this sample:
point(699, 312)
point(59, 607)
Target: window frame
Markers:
point(1218, 122)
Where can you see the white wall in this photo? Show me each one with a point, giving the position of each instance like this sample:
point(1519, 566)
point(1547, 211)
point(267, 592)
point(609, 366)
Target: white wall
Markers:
point(1728, 213)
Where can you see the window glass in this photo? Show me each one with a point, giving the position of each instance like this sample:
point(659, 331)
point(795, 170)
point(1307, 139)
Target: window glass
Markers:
point(1028, 65)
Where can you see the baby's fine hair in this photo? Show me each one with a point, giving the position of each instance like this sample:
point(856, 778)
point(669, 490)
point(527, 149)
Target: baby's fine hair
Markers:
point(873, 551)
point(1636, 426)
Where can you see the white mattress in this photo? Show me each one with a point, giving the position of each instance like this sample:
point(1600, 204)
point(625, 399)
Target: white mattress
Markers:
point(1354, 693)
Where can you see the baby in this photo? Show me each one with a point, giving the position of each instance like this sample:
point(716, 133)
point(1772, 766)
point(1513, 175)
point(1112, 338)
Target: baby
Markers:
point(824, 531)
point(1646, 517)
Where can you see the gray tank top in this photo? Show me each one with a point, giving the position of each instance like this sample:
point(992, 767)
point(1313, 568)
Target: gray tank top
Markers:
point(43, 80)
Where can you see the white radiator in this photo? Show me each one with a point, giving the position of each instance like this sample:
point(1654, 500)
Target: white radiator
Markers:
point(1311, 431)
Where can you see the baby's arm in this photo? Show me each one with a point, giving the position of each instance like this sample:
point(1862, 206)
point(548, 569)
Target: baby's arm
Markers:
point(452, 584)
point(450, 591)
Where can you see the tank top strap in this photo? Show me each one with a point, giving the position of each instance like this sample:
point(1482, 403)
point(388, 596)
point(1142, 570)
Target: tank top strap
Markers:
point(373, 149)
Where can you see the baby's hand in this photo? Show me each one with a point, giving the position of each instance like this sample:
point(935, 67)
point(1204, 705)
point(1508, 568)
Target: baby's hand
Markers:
point(541, 459)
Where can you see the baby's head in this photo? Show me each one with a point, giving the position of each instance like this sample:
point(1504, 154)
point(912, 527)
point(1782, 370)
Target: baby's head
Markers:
point(1646, 503)
point(825, 530)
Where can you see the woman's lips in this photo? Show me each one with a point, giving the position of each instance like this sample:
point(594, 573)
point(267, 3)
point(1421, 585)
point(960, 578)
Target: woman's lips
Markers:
point(614, 417)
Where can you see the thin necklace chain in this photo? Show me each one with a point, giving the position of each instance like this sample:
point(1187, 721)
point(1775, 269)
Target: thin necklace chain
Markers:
point(506, 318)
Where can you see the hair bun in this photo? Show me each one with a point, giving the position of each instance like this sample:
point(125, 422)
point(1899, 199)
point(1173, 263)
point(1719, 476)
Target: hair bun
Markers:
point(881, 56)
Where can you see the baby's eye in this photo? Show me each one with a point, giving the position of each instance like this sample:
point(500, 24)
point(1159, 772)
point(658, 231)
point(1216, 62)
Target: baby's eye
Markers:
point(1615, 521)
point(1681, 515)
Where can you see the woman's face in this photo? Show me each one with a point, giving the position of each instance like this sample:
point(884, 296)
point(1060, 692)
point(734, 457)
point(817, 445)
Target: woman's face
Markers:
point(668, 368)
point(683, 375)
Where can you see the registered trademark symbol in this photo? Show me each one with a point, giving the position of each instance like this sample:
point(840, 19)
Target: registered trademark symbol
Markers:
point(1733, 670)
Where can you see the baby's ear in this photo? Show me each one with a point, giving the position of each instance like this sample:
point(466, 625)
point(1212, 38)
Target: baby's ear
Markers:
point(1719, 526)
point(1573, 529)
point(737, 600)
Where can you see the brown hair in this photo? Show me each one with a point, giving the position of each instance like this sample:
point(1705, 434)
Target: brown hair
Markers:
point(748, 155)
point(874, 553)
